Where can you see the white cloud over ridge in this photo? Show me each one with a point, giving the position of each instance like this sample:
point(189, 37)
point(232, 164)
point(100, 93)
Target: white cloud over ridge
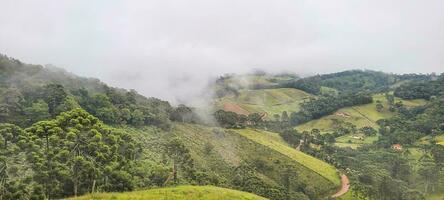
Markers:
point(169, 48)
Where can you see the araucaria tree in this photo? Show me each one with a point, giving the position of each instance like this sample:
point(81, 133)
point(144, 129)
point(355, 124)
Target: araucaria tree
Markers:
point(76, 153)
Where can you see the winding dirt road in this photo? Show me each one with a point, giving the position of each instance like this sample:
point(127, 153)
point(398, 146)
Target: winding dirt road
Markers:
point(344, 188)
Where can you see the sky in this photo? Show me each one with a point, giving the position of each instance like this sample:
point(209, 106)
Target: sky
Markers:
point(172, 48)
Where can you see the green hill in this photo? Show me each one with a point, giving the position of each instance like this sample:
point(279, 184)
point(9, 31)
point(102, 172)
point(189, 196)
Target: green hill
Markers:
point(359, 116)
point(231, 159)
point(270, 101)
point(177, 193)
point(276, 143)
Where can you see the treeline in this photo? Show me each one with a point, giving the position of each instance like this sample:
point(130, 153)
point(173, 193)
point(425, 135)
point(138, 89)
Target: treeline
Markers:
point(421, 89)
point(228, 119)
point(326, 105)
point(350, 81)
point(313, 109)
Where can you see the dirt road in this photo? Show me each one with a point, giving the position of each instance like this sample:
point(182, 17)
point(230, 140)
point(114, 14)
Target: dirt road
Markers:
point(344, 188)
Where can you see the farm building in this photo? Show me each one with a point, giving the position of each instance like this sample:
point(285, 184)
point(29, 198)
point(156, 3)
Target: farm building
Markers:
point(397, 147)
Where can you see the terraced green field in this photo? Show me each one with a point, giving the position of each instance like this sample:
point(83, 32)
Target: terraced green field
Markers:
point(176, 193)
point(271, 101)
point(248, 80)
point(276, 143)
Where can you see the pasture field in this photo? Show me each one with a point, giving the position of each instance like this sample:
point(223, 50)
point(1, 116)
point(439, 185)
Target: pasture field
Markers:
point(270, 101)
point(354, 140)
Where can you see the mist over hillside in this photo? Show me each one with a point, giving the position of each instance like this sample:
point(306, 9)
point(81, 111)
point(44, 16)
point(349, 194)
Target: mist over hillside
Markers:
point(221, 100)
point(163, 48)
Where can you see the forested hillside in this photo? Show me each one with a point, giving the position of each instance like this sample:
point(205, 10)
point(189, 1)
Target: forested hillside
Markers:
point(63, 135)
point(30, 93)
point(384, 131)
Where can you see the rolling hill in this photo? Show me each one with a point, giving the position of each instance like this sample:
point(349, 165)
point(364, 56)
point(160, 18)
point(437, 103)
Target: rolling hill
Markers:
point(360, 116)
point(177, 193)
point(234, 148)
point(220, 155)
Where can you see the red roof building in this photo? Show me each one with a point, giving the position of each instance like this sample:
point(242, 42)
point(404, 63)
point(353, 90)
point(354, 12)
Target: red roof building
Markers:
point(397, 147)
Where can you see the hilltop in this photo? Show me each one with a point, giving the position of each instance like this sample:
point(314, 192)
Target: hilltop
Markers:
point(177, 193)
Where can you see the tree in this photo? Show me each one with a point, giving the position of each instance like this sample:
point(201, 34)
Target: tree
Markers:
point(229, 119)
point(291, 137)
point(284, 116)
point(38, 111)
point(277, 117)
point(181, 158)
point(368, 131)
point(54, 95)
point(11, 177)
point(75, 154)
point(254, 118)
point(428, 171)
point(182, 114)
point(379, 106)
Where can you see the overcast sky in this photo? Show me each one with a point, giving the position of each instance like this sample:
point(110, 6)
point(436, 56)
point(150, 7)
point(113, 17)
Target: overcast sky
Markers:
point(168, 49)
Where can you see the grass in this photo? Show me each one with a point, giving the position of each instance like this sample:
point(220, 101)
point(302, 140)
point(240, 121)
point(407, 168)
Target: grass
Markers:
point(427, 140)
point(353, 141)
point(439, 196)
point(347, 196)
point(271, 101)
point(275, 142)
point(177, 193)
point(440, 140)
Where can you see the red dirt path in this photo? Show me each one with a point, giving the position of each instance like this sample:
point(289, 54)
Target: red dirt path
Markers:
point(235, 108)
point(344, 188)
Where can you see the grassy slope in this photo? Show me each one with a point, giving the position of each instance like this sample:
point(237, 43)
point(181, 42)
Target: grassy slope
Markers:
point(272, 101)
point(230, 148)
point(275, 142)
point(435, 197)
point(364, 115)
point(178, 193)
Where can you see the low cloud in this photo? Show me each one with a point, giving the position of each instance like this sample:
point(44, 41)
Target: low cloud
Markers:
point(171, 49)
